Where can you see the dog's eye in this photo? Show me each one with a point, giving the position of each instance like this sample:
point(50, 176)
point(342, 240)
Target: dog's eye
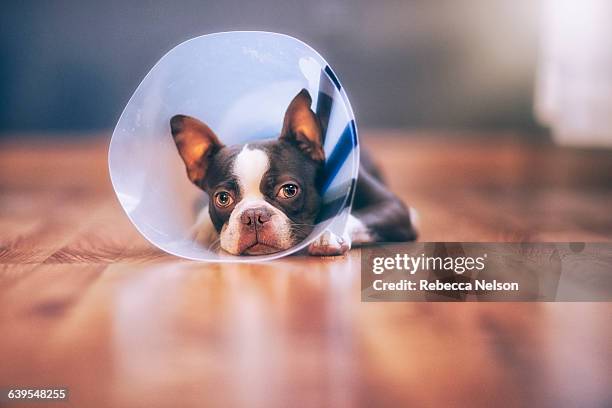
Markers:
point(223, 199)
point(288, 190)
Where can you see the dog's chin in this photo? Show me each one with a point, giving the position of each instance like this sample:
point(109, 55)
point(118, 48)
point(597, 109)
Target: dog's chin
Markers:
point(260, 249)
point(264, 242)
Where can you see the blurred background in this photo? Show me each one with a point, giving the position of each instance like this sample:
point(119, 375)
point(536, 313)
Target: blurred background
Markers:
point(72, 65)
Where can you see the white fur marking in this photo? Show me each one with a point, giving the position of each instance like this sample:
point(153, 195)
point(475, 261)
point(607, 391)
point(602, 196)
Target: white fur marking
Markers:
point(415, 219)
point(249, 168)
point(329, 244)
point(357, 231)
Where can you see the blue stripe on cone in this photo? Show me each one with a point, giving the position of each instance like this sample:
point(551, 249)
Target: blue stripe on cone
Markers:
point(338, 156)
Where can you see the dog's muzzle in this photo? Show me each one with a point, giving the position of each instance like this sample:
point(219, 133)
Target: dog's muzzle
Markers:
point(258, 234)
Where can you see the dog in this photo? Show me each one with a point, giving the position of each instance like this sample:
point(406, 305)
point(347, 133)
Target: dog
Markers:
point(264, 196)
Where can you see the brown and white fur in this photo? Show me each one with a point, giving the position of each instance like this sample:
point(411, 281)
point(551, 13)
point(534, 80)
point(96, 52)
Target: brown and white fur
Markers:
point(264, 196)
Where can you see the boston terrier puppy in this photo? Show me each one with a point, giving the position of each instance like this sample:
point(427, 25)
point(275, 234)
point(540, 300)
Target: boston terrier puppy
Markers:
point(264, 195)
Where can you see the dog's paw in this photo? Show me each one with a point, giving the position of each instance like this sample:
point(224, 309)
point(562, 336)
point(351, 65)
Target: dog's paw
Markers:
point(329, 244)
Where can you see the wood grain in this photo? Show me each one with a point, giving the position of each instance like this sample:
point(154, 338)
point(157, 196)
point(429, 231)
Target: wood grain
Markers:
point(87, 303)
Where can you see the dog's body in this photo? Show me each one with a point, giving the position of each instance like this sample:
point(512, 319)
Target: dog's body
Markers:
point(264, 196)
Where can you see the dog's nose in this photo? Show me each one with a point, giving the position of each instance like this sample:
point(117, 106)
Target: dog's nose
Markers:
point(255, 216)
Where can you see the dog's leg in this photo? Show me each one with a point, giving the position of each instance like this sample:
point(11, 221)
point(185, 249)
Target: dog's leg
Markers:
point(378, 216)
point(329, 244)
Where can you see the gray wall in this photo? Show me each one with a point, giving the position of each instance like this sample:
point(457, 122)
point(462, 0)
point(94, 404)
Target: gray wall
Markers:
point(70, 65)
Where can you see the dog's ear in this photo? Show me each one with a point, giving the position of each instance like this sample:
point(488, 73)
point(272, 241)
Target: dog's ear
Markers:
point(196, 144)
point(301, 126)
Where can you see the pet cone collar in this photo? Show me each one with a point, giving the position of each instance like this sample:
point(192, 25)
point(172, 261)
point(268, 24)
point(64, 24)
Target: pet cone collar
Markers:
point(240, 84)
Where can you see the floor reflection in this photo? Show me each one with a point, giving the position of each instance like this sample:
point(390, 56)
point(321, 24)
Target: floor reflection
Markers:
point(293, 331)
point(252, 328)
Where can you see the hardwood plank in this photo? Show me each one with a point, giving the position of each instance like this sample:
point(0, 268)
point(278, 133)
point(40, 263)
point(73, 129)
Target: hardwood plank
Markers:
point(109, 237)
point(45, 228)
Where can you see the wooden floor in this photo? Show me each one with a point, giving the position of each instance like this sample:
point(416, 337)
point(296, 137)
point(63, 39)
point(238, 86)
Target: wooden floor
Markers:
point(87, 303)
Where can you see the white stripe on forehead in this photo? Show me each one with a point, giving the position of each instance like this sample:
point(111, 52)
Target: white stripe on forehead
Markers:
point(249, 167)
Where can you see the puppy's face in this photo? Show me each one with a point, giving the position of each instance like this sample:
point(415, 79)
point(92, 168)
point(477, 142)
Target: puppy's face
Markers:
point(263, 195)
